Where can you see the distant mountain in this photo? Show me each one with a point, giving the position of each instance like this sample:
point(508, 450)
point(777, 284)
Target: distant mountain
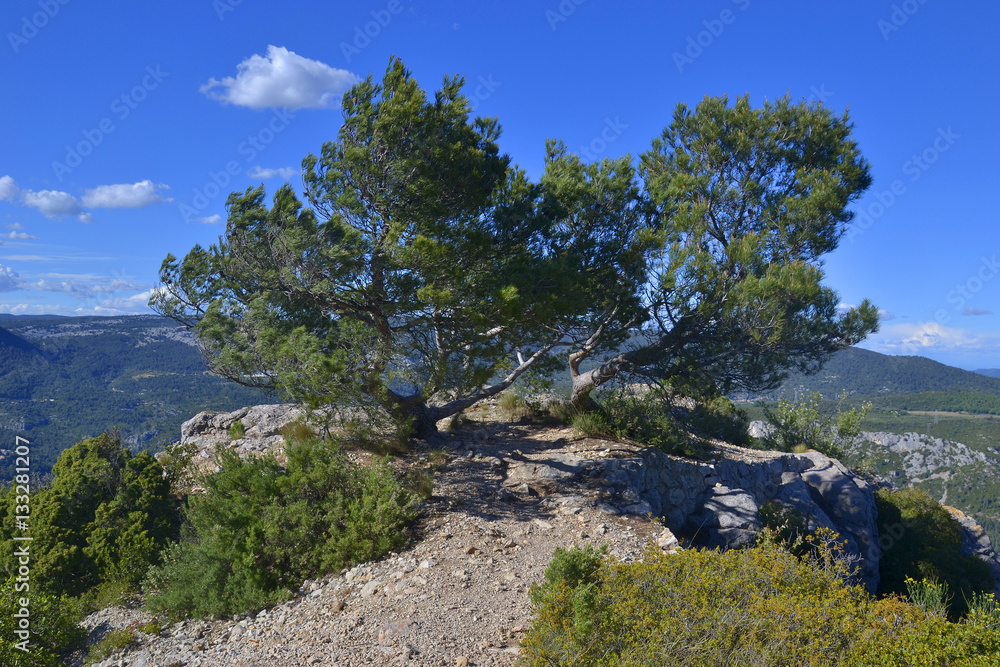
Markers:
point(864, 373)
point(989, 372)
point(63, 379)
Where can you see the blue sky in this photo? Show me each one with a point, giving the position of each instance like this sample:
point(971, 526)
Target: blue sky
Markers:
point(126, 125)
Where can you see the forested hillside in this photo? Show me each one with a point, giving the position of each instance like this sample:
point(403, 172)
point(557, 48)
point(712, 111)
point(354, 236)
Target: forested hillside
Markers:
point(65, 379)
point(870, 374)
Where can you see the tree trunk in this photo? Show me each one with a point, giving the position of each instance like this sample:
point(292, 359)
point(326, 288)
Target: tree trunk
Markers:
point(424, 419)
point(643, 357)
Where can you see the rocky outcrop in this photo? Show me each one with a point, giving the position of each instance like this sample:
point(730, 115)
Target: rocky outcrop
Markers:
point(717, 503)
point(262, 431)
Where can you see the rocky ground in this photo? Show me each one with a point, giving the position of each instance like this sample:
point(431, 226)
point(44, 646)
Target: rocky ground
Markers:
point(507, 497)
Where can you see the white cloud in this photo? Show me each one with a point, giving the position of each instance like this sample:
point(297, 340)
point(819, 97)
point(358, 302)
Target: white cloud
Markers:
point(928, 338)
point(15, 225)
point(124, 195)
point(282, 78)
point(884, 315)
point(21, 236)
point(9, 280)
point(34, 309)
point(976, 311)
point(8, 189)
point(210, 220)
point(264, 173)
point(73, 287)
point(54, 204)
point(128, 305)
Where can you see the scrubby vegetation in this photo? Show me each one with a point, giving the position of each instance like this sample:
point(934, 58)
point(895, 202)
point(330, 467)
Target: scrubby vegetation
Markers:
point(261, 529)
point(54, 629)
point(760, 606)
point(114, 642)
point(101, 521)
point(657, 418)
point(921, 541)
point(800, 425)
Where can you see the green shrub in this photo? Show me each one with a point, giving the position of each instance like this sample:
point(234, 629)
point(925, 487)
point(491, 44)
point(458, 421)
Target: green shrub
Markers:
point(798, 426)
point(297, 432)
point(54, 629)
point(176, 462)
point(648, 418)
point(237, 430)
point(929, 595)
point(513, 407)
point(759, 606)
point(562, 411)
point(114, 642)
point(591, 424)
point(260, 529)
point(920, 540)
point(103, 518)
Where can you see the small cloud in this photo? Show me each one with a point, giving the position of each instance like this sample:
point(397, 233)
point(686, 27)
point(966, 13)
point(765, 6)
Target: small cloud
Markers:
point(124, 195)
point(34, 309)
point(209, 220)
point(264, 173)
point(281, 79)
point(976, 311)
point(54, 204)
point(885, 315)
point(73, 287)
point(21, 236)
point(15, 225)
point(914, 338)
point(8, 189)
point(9, 280)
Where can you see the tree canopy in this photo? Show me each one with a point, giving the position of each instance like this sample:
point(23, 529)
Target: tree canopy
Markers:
point(746, 202)
point(428, 272)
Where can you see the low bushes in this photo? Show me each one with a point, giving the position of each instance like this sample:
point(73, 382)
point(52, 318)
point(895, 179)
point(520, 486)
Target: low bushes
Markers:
point(920, 540)
point(100, 522)
point(659, 420)
point(53, 626)
point(260, 529)
point(760, 606)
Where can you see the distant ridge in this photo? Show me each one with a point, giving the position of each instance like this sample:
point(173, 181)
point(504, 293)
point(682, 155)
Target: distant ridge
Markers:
point(989, 372)
point(864, 373)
